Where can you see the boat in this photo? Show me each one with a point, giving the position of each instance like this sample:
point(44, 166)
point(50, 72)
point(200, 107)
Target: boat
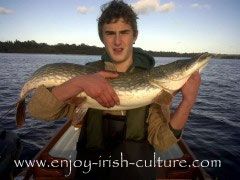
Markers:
point(60, 149)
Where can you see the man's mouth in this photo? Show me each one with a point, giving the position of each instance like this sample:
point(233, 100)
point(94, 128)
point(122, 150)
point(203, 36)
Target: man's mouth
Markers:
point(118, 50)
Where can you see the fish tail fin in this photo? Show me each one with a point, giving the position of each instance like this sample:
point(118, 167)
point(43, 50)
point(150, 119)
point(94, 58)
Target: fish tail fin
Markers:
point(20, 115)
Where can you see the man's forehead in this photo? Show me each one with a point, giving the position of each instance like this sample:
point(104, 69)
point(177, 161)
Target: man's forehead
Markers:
point(115, 20)
point(117, 23)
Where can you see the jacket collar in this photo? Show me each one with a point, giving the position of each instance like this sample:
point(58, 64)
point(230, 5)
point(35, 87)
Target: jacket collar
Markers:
point(141, 59)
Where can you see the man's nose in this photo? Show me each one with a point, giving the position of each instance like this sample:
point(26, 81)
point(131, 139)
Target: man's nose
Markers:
point(117, 40)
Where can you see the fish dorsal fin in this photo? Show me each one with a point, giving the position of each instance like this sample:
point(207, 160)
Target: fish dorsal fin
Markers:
point(110, 66)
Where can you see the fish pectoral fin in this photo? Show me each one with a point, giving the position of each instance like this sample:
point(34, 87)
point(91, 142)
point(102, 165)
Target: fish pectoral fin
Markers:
point(163, 97)
point(78, 115)
point(79, 112)
point(154, 83)
point(158, 84)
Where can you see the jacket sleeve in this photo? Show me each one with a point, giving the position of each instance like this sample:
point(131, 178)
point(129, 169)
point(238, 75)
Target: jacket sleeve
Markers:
point(160, 134)
point(45, 106)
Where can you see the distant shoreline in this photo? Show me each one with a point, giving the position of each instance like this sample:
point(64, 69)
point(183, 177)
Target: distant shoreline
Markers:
point(32, 47)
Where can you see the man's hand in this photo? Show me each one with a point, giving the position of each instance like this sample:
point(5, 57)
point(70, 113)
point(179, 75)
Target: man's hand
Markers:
point(97, 87)
point(190, 89)
point(94, 85)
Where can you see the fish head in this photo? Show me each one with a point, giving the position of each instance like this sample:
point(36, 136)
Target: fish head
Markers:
point(171, 77)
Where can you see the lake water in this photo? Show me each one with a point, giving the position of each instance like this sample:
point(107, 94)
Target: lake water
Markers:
point(212, 132)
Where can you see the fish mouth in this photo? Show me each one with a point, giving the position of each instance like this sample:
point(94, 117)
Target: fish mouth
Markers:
point(203, 61)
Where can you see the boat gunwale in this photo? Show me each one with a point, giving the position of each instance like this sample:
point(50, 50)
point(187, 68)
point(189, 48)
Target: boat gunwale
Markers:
point(44, 154)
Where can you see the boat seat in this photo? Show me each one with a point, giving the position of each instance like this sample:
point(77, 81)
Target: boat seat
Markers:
point(114, 129)
point(66, 145)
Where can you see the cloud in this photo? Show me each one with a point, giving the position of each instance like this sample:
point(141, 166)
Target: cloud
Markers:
point(5, 10)
point(200, 6)
point(83, 9)
point(146, 6)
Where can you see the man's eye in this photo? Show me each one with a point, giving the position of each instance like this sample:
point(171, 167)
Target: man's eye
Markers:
point(125, 32)
point(109, 33)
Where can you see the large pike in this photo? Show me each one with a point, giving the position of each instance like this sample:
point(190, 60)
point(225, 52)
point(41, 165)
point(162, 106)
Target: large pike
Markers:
point(133, 89)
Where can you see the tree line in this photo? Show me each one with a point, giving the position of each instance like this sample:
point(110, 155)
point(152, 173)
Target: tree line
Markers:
point(60, 48)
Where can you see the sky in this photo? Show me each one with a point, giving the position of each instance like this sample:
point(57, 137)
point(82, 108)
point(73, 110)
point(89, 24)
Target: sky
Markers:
point(164, 25)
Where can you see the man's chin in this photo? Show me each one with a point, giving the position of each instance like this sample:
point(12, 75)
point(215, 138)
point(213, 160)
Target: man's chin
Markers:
point(118, 60)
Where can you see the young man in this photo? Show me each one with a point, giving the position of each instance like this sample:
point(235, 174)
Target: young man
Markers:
point(117, 27)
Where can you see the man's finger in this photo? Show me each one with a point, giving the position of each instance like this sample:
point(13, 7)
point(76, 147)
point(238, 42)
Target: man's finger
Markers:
point(109, 99)
point(113, 95)
point(100, 101)
point(105, 101)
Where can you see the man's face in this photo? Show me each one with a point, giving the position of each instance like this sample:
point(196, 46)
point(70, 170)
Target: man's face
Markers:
point(118, 40)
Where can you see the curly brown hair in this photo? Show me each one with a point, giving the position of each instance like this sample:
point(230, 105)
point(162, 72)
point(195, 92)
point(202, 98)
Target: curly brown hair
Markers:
point(115, 10)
